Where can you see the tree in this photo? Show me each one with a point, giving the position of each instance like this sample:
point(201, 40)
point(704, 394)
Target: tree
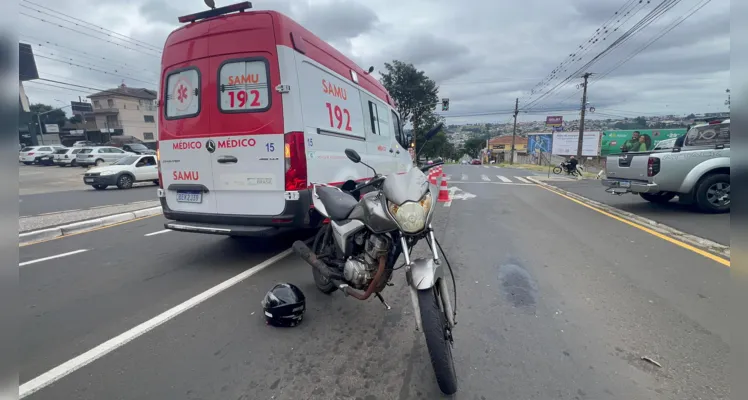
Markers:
point(76, 119)
point(52, 116)
point(473, 146)
point(416, 96)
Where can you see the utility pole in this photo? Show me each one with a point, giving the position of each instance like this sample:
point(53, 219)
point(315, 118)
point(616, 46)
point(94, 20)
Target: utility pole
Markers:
point(581, 120)
point(514, 130)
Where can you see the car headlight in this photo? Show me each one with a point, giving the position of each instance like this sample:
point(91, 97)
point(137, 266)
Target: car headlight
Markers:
point(105, 173)
point(411, 216)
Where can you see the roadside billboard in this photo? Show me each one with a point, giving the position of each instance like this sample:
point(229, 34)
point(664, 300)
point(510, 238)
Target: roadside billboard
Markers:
point(565, 143)
point(613, 141)
point(539, 143)
point(554, 120)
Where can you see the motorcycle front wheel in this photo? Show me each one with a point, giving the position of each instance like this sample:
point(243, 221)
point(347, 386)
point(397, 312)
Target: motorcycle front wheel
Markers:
point(438, 339)
point(556, 170)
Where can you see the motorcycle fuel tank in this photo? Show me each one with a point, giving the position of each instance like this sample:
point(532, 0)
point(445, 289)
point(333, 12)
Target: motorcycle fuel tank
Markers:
point(370, 210)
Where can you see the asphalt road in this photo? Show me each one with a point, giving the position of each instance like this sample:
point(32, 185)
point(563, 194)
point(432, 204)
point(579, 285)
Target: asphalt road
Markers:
point(714, 227)
point(555, 301)
point(83, 199)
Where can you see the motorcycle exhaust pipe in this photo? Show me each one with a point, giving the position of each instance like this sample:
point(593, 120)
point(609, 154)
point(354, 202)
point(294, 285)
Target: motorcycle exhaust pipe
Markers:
point(306, 254)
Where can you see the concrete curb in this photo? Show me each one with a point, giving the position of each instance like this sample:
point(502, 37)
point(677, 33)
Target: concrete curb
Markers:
point(699, 242)
point(87, 225)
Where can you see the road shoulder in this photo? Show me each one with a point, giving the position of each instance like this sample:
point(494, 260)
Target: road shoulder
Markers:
point(699, 243)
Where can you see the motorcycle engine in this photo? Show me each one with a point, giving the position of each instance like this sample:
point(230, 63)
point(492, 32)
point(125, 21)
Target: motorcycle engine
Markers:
point(359, 270)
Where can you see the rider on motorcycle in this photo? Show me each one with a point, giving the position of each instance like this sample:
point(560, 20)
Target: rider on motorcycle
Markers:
point(571, 165)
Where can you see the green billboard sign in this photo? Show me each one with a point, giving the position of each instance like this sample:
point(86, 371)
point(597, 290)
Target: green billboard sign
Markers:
point(612, 142)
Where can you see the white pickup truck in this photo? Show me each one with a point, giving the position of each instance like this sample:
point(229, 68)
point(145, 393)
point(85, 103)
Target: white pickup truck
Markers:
point(697, 171)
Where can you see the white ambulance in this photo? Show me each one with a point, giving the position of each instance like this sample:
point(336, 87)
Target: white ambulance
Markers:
point(254, 110)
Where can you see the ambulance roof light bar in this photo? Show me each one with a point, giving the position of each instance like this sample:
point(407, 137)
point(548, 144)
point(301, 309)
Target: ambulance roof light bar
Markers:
point(240, 7)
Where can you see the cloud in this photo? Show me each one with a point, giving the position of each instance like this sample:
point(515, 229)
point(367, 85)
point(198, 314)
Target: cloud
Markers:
point(483, 54)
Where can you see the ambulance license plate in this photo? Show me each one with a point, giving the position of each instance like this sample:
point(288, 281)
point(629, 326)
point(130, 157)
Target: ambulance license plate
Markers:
point(184, 196)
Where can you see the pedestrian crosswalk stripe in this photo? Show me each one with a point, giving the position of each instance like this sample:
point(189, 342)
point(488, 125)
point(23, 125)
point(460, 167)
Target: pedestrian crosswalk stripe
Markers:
point(464, 177)
point(485, 178)
point(503, 178)
point(521, 179)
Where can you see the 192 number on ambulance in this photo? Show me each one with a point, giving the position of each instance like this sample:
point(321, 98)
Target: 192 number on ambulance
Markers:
point(342, 117)
point(240, 97)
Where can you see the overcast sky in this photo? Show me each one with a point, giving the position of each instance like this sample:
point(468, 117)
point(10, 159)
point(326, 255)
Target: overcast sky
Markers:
point(483, 54)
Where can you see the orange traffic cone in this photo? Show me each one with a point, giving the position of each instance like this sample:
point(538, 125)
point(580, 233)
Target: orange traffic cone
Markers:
point(443, 191)
point(432, 178)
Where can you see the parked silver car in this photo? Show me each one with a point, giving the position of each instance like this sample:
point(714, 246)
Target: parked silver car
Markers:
point(100, 155)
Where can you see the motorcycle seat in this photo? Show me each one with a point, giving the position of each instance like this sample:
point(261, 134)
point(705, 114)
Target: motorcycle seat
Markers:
point(338, 204)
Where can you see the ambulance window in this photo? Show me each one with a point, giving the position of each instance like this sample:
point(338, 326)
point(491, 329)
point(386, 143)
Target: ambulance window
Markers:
point(182, 93)
point(374, 117)
point(384, 122)
point(243, 85)
point(397, 130)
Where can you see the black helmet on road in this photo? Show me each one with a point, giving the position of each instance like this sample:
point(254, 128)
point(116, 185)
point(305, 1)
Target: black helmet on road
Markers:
point(284, 305)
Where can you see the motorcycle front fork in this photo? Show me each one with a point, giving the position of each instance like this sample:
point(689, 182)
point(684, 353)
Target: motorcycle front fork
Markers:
point(441, 282)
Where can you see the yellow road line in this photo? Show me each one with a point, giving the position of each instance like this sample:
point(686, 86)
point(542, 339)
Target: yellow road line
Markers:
point(90, 230)
point(674, 241)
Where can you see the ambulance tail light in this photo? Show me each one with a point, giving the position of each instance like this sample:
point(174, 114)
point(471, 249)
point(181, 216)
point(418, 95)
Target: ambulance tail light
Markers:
point(294, 156)
point(158, 163)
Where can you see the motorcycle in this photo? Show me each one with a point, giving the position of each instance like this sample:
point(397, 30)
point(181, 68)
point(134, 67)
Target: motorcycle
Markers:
point(356, 251)
point(561, 167)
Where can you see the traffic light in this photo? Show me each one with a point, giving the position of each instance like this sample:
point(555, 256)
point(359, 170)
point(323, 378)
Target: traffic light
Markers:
point(445, 104)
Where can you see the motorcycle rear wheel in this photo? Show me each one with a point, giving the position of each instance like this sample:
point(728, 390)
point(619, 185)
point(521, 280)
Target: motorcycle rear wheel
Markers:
point(323, 284)
point(556, 170)
point(438, 339)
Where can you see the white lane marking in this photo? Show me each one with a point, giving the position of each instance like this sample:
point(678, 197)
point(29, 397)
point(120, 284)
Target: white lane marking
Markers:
point(448, 177)
point(521, 179)
point(486, 166)
point(116, 342)
point(503, 178)
point(485, 178)
point(464, 177)
point(157, 232)
point(51, 257)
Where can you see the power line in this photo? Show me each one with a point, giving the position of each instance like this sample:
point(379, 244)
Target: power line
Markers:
point(57, 14)
point(651, 17)
point(662, 33)
point(589, 43)
point(89, 35)
point(94, 69)
point(120, 64)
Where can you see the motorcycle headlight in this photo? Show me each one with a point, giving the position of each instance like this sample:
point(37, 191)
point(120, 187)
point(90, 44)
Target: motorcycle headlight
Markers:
point(411, 216)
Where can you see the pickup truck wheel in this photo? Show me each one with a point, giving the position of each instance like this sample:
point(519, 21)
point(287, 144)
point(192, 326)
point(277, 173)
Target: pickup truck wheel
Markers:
point(713, 194)
point(124, 182)
point(659, 198)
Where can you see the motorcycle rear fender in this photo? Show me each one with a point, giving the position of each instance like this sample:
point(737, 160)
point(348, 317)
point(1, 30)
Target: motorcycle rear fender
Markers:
point(424, 273)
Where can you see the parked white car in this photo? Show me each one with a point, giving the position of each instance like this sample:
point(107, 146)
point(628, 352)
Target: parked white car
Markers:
point(123, 172)
point(66, 156)
point(100, 155)
point(30, 155)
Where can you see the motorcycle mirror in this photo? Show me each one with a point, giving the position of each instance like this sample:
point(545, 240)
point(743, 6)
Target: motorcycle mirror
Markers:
point(353, 155)
point(430, 134)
